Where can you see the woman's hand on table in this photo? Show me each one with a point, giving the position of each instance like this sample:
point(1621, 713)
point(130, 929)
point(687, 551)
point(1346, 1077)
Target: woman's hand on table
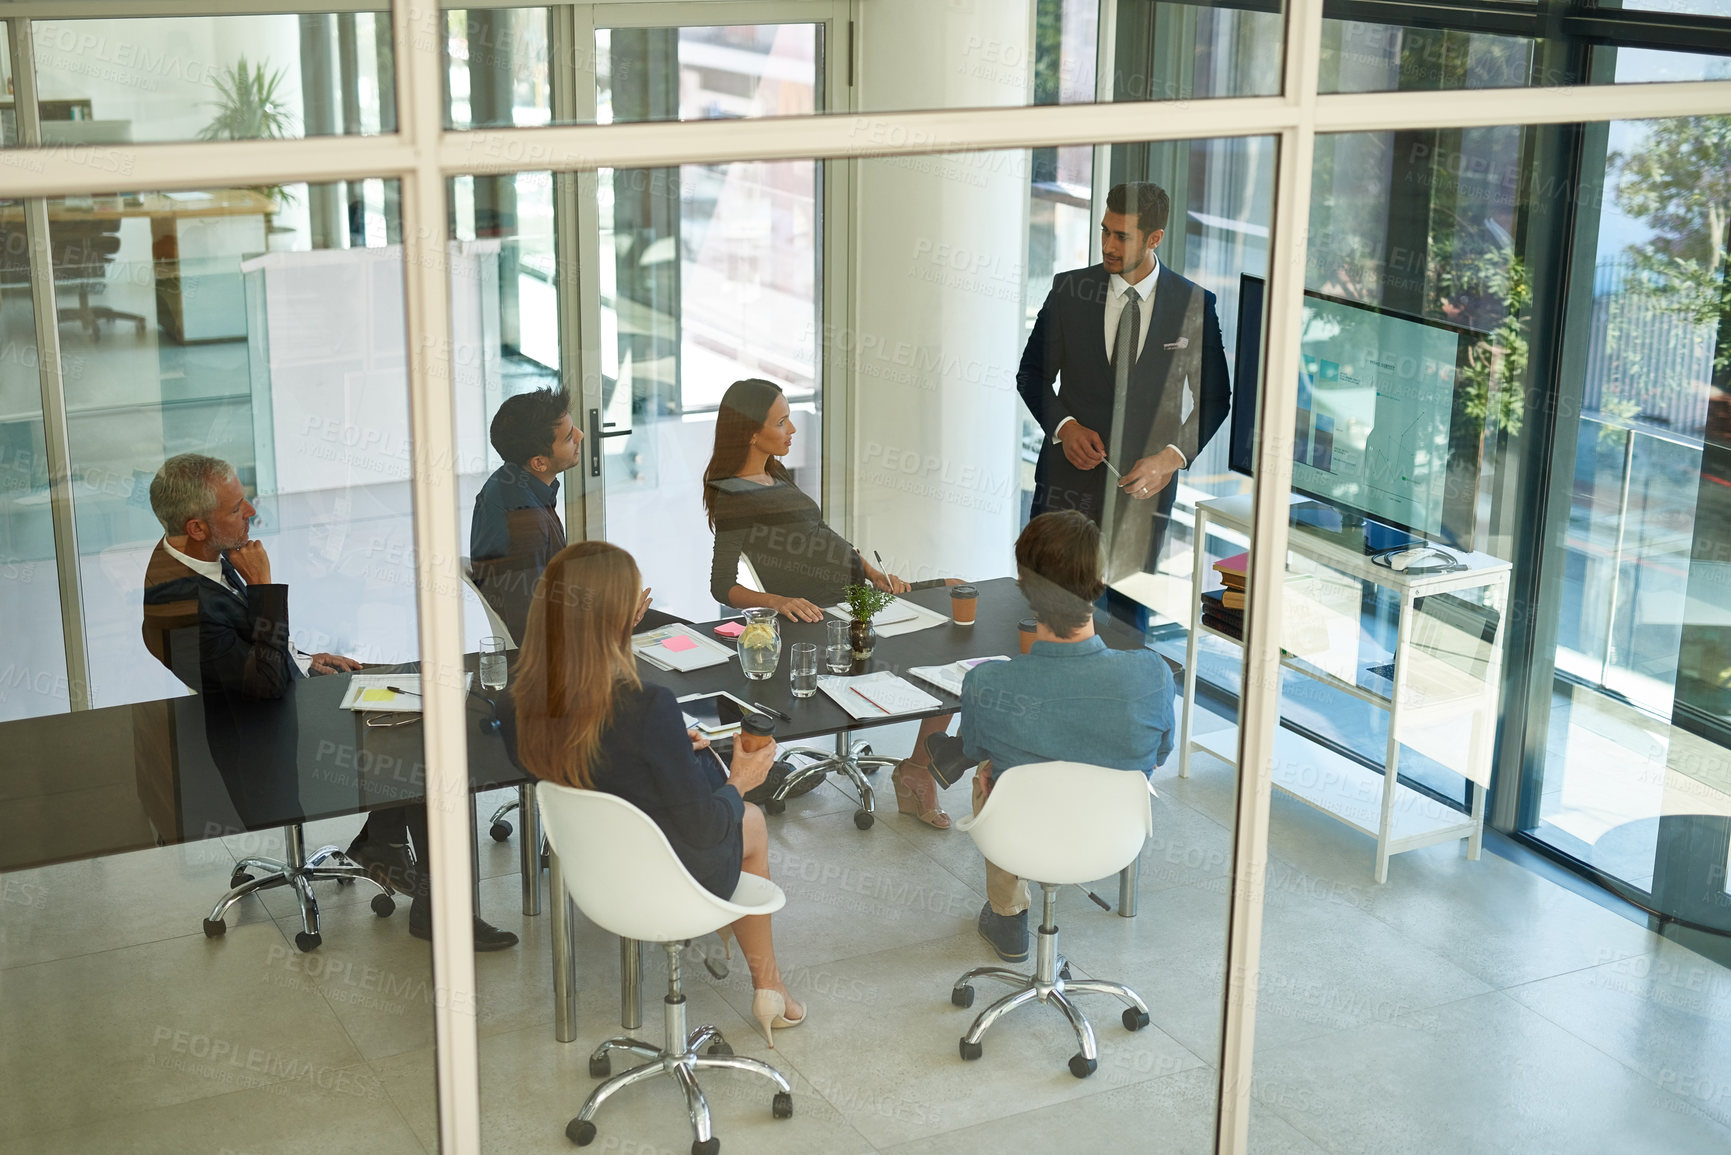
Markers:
point(698, 741)
point(749, 769)
point(799, 610)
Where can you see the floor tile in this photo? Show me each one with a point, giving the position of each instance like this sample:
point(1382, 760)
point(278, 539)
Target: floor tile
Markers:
point(1478, 1075)
point(109, 1034)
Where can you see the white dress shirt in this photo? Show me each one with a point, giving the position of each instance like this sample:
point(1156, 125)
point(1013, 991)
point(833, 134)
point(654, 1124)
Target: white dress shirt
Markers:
point(1114, 312)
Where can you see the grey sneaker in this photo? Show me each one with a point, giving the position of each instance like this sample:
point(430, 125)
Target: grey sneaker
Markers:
point(1007, 933)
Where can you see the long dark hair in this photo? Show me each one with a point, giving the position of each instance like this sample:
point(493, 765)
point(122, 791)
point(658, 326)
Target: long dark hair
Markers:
point(744, 408)
point(576, 653)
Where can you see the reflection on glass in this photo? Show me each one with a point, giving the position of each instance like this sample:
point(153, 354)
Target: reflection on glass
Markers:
point(1652, 66)
point(708, 73)
point(214, 78)
point(498, 76)
point(1364, 57)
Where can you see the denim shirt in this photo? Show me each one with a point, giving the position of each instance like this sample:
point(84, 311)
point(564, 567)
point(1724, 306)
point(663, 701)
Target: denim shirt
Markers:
point(1070, 702)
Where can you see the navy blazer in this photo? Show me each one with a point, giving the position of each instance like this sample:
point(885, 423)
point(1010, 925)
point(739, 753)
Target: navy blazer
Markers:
point(1069, 340)
point(646, 758)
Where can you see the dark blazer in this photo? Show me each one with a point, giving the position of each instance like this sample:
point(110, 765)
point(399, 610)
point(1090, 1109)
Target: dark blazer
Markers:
point(234, 653)
point(1069, 340)
point(513, 533)
point(646, 759)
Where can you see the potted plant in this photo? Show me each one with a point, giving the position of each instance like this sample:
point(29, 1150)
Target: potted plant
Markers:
point(249, 106)
point(863, 603)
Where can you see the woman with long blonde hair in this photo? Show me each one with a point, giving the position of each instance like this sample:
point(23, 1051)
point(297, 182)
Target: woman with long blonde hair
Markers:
point(585, 719)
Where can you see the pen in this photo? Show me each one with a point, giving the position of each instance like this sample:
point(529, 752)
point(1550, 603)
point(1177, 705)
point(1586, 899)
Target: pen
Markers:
point(1108, 464)
point(880, 558)
point(408, 693)
point(874, 705)
point(770, 710)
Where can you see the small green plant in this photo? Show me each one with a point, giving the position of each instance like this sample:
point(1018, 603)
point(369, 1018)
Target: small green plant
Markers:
point(249, 107)
point(864, 601)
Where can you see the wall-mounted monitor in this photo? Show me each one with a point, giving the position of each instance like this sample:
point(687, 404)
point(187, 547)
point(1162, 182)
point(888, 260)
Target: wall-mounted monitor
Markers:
point(1381, 433)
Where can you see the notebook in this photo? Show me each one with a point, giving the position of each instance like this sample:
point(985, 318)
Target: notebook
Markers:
point(879, 695)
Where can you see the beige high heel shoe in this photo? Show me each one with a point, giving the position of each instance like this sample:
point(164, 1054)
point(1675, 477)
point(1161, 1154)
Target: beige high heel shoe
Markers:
point(769, 1008)
point(909, 799)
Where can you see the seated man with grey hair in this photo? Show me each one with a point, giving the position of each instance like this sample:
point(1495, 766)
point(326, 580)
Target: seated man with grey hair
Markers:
point(209, 579)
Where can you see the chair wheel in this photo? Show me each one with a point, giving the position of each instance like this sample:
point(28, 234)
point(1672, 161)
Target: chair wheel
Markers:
point(580, 1132)
point(972, 1051)
point(1081, 1066)
point(783, 1107)
point(1064, 972)
point(708, 1147)
point(600, 1066)
point(720, 1047)
point(238, 878)
point(500, 830)
point(774, 805)
point(215, 928)
point(307, 942)
point(345, 881)
point(1134, 1020)
point(962, 996)
point(383, 905)
point(863, 819)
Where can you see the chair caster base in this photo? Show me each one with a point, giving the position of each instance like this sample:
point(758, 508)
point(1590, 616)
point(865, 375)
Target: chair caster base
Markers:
point(238, 878)
point(1081, 1066)
point(962, 996)
point(707, 1146)
point(1134, 1020)
point(215, 928)
point(600, 1066)
point(775, 806)
point(783, 1105)
point(384, 905)
point(500, 831)
point(307, 942)
point(971, 1051)
point(720, 1047)
point(863, 819)
point(580, 1132)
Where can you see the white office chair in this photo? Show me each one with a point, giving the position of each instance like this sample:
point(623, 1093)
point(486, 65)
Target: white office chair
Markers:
point(623, 874)
point(1057, 823)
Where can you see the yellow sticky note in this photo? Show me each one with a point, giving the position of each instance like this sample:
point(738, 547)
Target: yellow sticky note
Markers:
point(377, 696)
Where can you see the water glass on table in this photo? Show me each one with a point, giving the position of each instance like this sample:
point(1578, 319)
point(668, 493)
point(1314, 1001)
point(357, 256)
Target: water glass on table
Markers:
point(838, 652)
point(802, 669)
point(759, 644)
point(493, 663)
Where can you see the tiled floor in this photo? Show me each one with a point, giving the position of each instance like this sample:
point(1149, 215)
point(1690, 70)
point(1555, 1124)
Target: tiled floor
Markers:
point(1461, 1007)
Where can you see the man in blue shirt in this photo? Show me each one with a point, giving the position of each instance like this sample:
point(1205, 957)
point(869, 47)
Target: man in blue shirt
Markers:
point(516, 529)
point(1070, 699)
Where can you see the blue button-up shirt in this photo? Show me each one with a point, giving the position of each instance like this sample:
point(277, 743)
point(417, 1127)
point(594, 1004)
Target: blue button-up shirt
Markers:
point(1070, 702)
point(515, 531)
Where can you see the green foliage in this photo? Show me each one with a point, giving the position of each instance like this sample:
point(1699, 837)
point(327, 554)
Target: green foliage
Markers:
point(864, 601)
point(248, 105)
point(1493, 383)
point(1679, 183)
point(249, 108)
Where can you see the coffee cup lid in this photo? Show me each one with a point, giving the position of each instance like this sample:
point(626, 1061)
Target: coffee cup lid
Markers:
point(1028, 625)
point(964, 592)
point(757, 723)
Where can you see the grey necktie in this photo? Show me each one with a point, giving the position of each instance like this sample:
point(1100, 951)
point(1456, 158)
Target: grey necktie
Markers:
point(1123, 360)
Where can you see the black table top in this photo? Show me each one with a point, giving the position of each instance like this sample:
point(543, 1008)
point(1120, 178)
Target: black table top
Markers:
point(186, 769)
point(1001, 607)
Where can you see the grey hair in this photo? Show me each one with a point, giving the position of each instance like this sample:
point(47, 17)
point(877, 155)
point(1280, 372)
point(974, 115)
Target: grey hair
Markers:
point(185, 488)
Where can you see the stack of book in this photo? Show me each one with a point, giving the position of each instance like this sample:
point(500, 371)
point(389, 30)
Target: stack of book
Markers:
point(1223, 609)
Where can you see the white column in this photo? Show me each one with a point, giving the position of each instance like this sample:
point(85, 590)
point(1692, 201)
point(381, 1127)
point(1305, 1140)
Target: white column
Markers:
point(940, 251)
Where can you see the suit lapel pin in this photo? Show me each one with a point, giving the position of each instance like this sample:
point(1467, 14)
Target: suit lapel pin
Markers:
point(1180, 343)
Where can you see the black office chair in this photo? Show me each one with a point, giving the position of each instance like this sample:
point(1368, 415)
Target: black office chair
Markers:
point(80, 252)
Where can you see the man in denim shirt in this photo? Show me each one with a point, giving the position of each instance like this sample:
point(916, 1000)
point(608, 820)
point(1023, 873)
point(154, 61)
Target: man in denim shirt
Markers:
point(1070, 699)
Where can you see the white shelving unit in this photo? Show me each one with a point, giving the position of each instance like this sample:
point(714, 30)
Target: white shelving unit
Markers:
point(1434, 704)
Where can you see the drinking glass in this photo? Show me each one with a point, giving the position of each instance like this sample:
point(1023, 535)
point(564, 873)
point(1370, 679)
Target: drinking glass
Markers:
point(760, 643)
point(802, 669)
point(493, 663)
point(838, 652)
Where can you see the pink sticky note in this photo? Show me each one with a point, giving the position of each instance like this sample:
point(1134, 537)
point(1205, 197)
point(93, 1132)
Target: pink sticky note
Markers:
point(679, 643)
point(730, 629)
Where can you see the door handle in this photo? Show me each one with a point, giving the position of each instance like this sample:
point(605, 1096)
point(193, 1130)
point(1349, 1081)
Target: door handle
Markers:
point(599, 431)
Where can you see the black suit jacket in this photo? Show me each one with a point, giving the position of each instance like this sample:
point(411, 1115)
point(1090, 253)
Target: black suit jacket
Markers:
point(1069, 341)
point(234, 652)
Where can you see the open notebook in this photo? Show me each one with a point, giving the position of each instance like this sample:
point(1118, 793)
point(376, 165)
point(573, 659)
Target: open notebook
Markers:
point(899, 617)
point(879, 695)
point(679, 647)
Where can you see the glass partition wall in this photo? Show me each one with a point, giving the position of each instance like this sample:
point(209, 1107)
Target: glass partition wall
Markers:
point(1547, 297)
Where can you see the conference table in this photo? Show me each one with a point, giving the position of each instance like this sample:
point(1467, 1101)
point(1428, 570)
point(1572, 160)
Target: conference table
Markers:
point(1000, 608)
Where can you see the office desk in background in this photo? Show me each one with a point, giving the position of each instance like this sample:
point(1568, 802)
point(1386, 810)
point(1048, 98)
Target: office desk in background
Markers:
point(196, 242)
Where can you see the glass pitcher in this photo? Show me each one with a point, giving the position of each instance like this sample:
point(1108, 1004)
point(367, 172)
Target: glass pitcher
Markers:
point(760, 643)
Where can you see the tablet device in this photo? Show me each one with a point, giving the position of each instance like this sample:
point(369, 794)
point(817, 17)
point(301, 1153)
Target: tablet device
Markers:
point(715, 715)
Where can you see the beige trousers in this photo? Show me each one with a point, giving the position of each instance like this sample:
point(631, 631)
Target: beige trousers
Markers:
point(1007, 893)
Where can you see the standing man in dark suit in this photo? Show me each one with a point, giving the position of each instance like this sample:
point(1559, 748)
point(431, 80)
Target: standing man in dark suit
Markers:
point(1144, 385)
point(209, 580)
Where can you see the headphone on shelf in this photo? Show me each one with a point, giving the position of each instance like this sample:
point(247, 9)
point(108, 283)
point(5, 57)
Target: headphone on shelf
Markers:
point(1418, 560)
